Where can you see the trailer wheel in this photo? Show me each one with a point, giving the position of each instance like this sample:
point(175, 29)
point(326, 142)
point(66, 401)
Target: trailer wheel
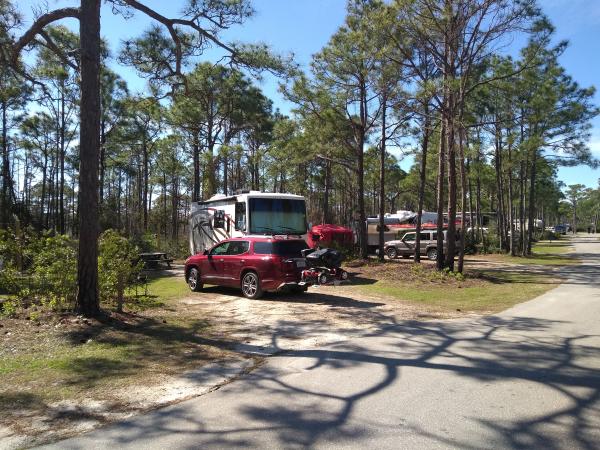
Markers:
point(432, 254)
point(391, 252)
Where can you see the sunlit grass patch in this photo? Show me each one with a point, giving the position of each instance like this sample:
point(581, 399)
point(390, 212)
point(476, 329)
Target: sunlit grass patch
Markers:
point(492, 291)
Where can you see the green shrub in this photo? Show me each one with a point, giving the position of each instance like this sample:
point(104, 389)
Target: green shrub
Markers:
point(9, 279)
point(147, 242)
point(55, 271)
point(549, 236)
point(117, 266)
point(471, 241)
point(8, 308)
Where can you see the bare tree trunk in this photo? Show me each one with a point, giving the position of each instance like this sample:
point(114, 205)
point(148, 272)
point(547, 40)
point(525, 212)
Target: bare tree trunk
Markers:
point(463, 188)
point(511, 218)
point(5, 206)
point(499, 187)
point(440, 197)
point(326, 207)
point(523, 246)
point(360, 169)
point(174, 209)
point(61, 226)
point(87, 264)
point(531, 225)
point(451, 157)
point(43, 196)
point(196, 158)
point(422, 180)
point(145, 170)
point(478, 197)
point(382, 178)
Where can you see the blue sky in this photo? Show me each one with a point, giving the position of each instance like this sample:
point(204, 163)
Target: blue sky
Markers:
point(304, 26)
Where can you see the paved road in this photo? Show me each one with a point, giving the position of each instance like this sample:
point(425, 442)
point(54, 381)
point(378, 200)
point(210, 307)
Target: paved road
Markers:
point(526, 378)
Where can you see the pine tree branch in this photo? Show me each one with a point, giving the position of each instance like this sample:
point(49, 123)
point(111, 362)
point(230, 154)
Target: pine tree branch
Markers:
point(37, 28)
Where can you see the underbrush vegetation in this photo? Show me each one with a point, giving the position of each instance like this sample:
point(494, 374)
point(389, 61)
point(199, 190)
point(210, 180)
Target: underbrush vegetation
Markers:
point(39, 272)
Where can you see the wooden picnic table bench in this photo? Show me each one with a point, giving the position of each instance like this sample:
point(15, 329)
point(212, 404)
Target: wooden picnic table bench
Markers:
point(154, 259)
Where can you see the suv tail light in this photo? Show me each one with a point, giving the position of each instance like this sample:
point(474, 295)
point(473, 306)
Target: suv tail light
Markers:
point(288, 264)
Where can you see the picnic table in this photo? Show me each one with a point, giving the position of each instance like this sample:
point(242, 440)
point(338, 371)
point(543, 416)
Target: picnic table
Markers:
point(154, 260)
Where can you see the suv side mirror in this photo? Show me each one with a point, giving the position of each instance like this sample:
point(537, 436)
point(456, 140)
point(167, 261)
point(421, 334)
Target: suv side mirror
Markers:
point(205, 252)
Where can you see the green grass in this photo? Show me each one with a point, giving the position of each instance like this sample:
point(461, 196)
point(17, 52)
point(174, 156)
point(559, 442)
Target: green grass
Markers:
point(168, 288)
point(495, 292)
point(160, 291)
point(545, 253)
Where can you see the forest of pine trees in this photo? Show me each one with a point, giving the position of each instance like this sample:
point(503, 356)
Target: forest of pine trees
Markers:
point(429, 81)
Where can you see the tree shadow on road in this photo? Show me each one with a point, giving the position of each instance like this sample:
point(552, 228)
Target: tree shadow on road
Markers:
point(491, 350)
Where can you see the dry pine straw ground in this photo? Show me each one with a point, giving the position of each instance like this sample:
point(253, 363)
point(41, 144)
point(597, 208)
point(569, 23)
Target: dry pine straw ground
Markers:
point(57, 358)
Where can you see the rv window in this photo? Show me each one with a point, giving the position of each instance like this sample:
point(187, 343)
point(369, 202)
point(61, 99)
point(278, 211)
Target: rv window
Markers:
point(238, 247)
point(240, 216)
point(385, 228)
point(219, 219)
point(277, 215)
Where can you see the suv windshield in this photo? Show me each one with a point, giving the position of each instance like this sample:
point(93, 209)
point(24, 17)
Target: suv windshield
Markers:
point(287, 249)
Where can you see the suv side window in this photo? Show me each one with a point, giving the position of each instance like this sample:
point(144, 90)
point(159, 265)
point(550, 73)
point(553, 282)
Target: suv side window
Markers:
point(263, 248)
point(220, 249)
point(410, 237)
point(425, 236)
point(238, 247)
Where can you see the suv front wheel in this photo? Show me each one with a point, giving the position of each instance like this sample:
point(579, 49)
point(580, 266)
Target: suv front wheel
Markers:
point(251, 285)
point(194, 281)
point(391, 252)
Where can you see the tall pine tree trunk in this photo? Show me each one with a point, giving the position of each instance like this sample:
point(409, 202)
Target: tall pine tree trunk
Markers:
point(511, 218)
point(326, 207)
point(87, 264)
point(145, 173)
point(61, 193)
point(463, 193)
point(531, 225)
point(5, 205)
point(382, 177)
point(440, 196)
point(196, 158)
point(422, 180)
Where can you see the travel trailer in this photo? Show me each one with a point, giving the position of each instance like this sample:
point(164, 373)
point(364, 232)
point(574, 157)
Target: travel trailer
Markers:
point(396, 225)
point(247, 213)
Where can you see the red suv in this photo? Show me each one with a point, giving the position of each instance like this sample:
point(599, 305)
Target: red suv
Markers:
point(254, 264)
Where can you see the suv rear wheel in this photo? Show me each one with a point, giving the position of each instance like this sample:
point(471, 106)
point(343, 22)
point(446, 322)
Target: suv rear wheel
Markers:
point(432, 254)
point(391, 252)
point(251, 285)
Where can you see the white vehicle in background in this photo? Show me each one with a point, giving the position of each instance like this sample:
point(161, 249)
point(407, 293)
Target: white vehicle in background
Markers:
point(249, 213)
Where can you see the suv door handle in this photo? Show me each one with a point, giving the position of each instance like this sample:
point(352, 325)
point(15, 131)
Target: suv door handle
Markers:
point(242, 261)
point(221, 260)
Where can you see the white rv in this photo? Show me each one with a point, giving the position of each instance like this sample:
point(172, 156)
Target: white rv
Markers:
point(247, 213)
